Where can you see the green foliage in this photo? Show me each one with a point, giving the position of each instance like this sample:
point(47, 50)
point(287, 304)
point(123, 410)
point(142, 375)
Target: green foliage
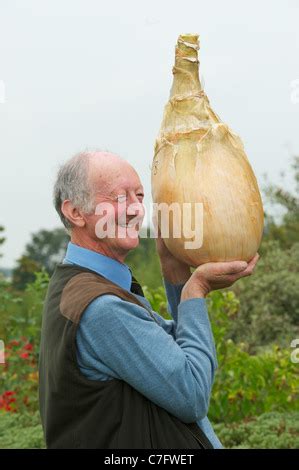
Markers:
point(24, 272)
point(19, 384)
point(269, 300)
point(285, 233)
point(21, 431)
point(44, 251)
point(223, 307)
point(268, 431)
point(157, 299)
point(20, 312)
point(20, 324)
point(247, 385)
point(48, 247)
point(9, 308)
point(145, 263)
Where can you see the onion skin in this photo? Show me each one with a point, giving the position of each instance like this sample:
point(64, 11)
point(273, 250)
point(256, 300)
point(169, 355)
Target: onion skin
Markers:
point(198, 159)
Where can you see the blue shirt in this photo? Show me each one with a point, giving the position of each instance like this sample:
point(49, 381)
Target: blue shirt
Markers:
point(171, 362)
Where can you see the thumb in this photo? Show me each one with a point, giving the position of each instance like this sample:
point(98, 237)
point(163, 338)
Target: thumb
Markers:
point(232, 267)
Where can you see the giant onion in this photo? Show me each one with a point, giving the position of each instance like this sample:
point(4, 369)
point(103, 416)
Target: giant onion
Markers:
point(198, 159)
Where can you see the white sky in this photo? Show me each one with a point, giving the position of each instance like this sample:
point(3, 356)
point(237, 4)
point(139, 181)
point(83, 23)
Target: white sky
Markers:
point(80, 74)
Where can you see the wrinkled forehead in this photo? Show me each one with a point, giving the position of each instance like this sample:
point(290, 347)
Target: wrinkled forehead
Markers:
point(114, 177)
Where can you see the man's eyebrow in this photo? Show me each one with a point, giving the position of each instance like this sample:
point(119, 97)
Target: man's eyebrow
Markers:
point(115, 191)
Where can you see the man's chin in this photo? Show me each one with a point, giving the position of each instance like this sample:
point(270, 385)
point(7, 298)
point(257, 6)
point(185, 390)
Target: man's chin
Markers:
point(129, 243)
point(127, 239)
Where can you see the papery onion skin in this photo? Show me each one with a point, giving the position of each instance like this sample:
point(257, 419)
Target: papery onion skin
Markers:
point(198, 159)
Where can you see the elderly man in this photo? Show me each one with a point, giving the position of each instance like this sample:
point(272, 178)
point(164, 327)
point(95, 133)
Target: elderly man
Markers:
point(114, 373)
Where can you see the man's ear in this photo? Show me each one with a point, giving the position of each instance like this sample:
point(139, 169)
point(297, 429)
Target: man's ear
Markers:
point(73, 214)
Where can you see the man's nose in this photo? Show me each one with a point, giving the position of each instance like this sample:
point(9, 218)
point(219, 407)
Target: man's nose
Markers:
point(135, 207)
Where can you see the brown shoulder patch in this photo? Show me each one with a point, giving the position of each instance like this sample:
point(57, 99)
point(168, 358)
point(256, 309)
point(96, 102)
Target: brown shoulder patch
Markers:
point(85, 287)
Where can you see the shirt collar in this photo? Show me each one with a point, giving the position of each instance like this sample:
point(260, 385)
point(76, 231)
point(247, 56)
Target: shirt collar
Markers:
point(111, 269)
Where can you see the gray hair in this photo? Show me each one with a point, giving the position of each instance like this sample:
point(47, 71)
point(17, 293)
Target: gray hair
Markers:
point(73, 183)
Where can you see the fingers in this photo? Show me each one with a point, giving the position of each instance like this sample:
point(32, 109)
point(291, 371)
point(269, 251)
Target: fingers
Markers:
point(229, 267)
point(220, 275)
point(251, 265)
point(234, 267)
point(230, 271)
point(254, 260)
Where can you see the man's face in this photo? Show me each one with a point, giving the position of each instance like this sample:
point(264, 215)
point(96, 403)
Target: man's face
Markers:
point(119, 209)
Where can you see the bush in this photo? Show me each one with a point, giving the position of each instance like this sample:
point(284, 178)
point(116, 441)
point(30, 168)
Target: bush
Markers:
point(268, 431)
point(247, 385)
point(20, 323)
point(21, 312)
point(269, 300)
point(19, 389)
point(21, 431)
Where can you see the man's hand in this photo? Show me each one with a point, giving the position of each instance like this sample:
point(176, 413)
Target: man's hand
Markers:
point(213, 276)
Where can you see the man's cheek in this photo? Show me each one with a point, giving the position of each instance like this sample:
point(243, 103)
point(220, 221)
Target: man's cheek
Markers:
point(105, 227)
point(105, 224)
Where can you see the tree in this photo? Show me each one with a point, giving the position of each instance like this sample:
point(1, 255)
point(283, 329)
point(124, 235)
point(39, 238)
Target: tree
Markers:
point(24, 272)
point(45, 250)
point(286, 232)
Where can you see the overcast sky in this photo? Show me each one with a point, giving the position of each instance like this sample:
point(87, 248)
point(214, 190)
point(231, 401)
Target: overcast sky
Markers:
point(77, 74)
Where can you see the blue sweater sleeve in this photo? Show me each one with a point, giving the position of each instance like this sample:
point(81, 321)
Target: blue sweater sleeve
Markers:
point(122, 340)
point(173, 293)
